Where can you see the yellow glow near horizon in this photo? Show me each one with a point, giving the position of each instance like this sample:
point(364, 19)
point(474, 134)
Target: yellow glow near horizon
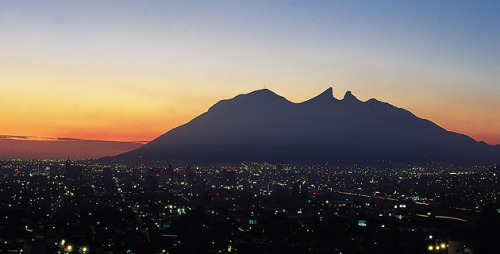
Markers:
point(103, 110)
point(106, 71)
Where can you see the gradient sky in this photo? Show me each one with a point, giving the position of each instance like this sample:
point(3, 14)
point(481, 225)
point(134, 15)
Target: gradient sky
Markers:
point(130, 71)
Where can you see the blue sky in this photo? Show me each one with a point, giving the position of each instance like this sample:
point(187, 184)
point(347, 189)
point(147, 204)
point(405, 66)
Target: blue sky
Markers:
point(101, 65)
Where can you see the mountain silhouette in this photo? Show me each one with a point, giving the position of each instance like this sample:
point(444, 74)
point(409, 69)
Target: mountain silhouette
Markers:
point(264, 126)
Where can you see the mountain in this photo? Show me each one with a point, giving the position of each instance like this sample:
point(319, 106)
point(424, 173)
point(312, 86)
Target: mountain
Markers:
point(263, 126)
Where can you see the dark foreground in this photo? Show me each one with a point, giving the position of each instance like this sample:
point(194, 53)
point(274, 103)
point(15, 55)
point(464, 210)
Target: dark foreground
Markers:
point(85, 207)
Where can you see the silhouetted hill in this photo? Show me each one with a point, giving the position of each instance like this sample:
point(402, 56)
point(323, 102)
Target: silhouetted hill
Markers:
point(17, 147)
point(263, 126)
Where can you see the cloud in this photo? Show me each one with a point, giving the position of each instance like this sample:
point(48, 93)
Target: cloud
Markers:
point(63, 139)
point(68, 139)
point(14, 137)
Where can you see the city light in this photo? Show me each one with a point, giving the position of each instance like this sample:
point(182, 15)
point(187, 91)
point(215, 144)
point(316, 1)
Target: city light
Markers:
point(147, 202)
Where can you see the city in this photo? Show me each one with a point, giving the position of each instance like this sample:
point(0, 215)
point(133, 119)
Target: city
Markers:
point(249, 127)
point(64, 206)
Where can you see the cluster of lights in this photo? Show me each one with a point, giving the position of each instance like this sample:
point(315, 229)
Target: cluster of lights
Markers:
point(437, 247)
point(70, 248)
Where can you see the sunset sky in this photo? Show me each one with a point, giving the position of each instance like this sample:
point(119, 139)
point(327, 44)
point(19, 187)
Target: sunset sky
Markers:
point(130, 71)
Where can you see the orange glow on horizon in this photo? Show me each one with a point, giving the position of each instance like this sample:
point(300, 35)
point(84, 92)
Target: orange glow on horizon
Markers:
point(110, 106)
point(110, 113)
point(147, 128)
point(128, 71)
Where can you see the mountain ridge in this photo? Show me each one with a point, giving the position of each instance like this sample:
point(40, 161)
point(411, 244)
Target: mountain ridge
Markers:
point(262, 125)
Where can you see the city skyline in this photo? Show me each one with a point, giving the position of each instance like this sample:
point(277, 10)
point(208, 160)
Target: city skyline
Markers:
point(124, 71)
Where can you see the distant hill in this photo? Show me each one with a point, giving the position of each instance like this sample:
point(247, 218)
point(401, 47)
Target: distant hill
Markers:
point(263, 126)
point(16, 147)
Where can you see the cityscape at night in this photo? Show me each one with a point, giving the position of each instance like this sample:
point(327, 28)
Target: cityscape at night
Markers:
point(286, 126)
point(58, 206)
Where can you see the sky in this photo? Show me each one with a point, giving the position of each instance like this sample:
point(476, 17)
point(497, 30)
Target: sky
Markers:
point(132, 70)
